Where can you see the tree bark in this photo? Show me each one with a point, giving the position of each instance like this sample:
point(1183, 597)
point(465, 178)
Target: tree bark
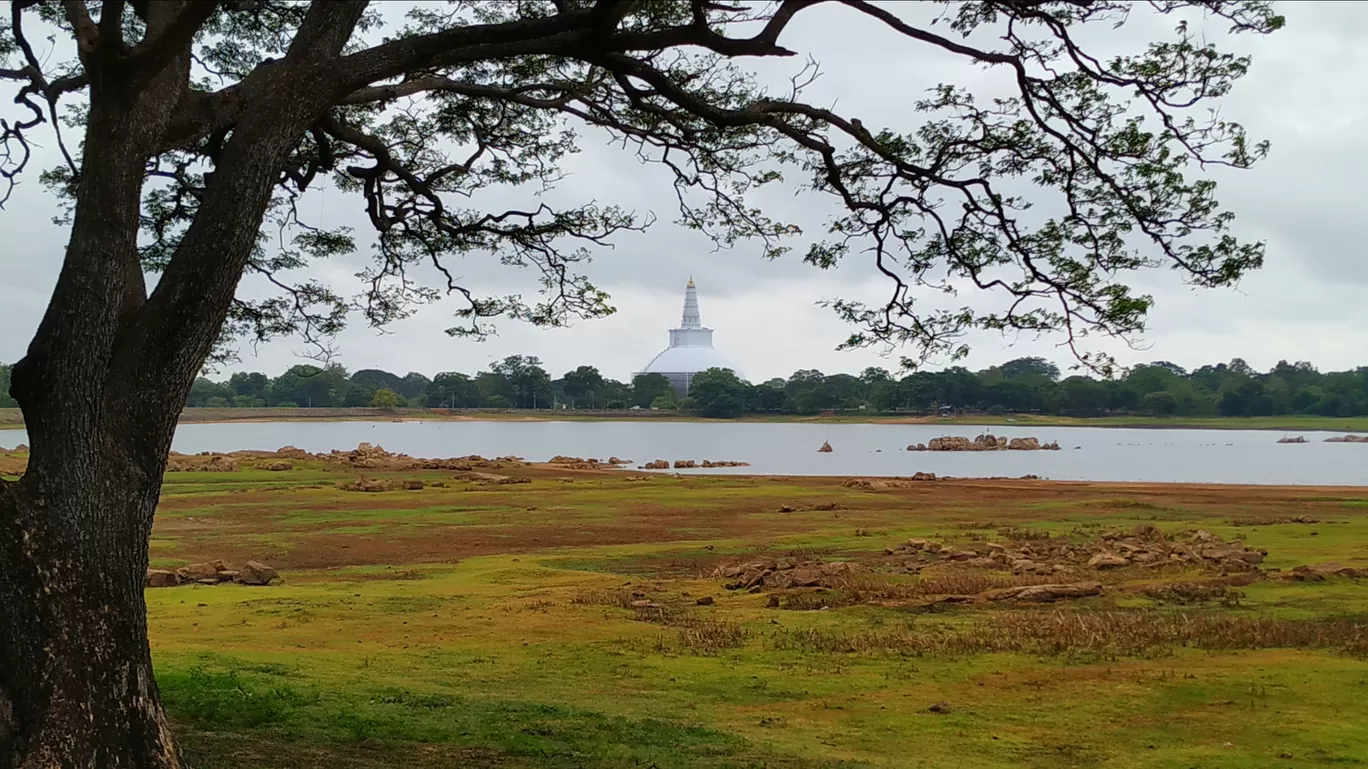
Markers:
point(76, 687)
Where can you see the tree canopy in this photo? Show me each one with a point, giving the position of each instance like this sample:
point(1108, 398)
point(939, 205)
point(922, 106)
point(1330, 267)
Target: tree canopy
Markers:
point(417, 116)
point(1155, 389)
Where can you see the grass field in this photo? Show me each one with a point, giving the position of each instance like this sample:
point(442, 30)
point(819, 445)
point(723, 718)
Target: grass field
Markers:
point(555, 623)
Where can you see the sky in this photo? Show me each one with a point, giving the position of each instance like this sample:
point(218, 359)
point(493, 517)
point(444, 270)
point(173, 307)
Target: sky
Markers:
point(1307, 93)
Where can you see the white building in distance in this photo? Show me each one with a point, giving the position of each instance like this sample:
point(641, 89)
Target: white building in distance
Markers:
point(690, 351)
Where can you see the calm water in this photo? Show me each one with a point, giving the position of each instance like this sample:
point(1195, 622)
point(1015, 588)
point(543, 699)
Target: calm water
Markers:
point(1102, 454)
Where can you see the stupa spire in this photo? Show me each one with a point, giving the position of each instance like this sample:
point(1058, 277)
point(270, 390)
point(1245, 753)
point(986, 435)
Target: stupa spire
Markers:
point(691, 318)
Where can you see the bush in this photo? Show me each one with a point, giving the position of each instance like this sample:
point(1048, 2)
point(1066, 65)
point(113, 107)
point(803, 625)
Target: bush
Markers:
point(385, 398)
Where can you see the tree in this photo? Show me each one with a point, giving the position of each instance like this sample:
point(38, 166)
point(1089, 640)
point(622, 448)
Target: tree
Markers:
point(583, 385)
point(1083, 396)
point(253, 385)
point(665, 402)
point(197, 178)
point(529, 382)
point(647, 388)
point(718, 393)
point(375, 379)
point(1159, 404)
point(6, 401)
point(1029, 367)
point(412, 385)
point(385, 398)
point(453, 391)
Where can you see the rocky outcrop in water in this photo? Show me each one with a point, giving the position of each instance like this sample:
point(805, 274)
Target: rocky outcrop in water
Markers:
point(986, 442)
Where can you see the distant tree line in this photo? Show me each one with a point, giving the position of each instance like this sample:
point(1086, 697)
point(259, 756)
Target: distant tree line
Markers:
point(1024, 385)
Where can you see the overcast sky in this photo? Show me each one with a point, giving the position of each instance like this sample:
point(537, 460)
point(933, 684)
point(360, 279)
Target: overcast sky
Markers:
point(1307, 93)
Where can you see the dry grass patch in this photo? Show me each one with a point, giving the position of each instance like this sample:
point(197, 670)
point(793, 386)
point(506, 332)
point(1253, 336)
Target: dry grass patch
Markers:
point(709, 638)
point(1094, 634)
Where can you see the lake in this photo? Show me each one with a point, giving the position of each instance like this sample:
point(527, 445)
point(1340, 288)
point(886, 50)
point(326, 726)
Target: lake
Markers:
point(1088, 453)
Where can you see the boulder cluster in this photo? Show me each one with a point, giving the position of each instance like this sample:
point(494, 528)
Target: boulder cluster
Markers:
point(364, 457)
point(783, 573)
point(825, 448)
point(689, 464)
point(380, 484)
point(205, 463)
point(1298, 439)
point(1348, 439)
point(1318, 572)
point(1143, 546)
point(368, 457)
point(984, 442)
point(586, 463)
point(877, 484)
point(212, 573)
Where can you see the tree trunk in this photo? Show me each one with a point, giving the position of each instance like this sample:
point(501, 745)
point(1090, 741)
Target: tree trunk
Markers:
point(102, 385)
point(76, 684)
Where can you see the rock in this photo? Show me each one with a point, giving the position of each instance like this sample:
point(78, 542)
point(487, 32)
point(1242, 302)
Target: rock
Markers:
point(257, 573)
point(684, 464)
point(706, 600)
point(1298, 439)
point(1045, 593)
point(1024, 444)
point(228, 575)
point(806, 577)
point(837, 568)
point(940, 707)
point(1302, 574)
point(1348, 439)
point(291, 452)
point(198, 571)
point(773, 602)
point(981, 563)
point(208, 581)
point(1107, 561)
point(643, 604)
point(161, 578)
point(916, 544)
point(658, 464)
point(779, 579)
point(276, 467)
point(1336, 570)
point(413, 485)
point(826, 447)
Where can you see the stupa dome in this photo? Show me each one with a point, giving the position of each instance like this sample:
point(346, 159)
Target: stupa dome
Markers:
point(691, 349)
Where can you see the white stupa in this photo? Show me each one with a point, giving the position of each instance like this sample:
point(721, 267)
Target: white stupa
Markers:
point(691, 349)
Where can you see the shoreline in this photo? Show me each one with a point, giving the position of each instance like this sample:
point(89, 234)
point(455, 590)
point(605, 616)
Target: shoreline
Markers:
point(11, 419)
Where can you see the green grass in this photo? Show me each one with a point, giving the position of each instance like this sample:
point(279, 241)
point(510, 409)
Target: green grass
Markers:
point(485, 627)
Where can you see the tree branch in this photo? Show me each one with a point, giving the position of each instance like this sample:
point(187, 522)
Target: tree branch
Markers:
point(156, 51)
